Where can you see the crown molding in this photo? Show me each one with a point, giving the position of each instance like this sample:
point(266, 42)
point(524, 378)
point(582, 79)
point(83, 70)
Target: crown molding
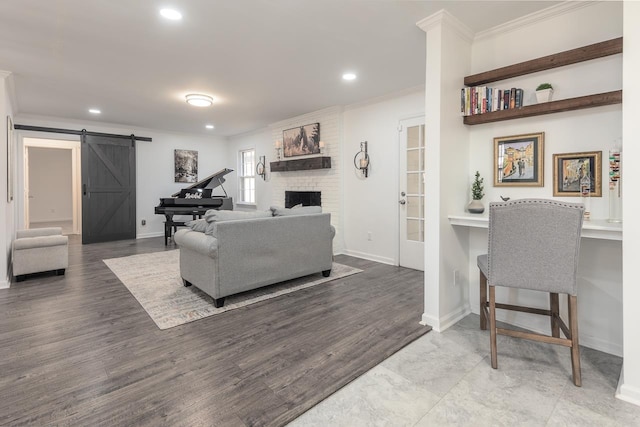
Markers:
point(443, 17)
point(532, 18)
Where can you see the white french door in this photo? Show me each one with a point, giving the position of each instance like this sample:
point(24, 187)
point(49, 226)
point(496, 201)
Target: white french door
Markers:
point(411, 193)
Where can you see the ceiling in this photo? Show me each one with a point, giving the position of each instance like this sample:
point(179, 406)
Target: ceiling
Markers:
point(264, 60)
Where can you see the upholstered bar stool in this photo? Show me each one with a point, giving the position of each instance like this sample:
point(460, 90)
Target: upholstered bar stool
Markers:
point(533, 244)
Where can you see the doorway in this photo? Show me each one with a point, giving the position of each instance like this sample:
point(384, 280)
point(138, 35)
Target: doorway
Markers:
point(52, 184)
point(411, 193)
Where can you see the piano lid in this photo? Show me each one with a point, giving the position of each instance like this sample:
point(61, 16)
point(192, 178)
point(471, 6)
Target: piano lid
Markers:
point(212, 181)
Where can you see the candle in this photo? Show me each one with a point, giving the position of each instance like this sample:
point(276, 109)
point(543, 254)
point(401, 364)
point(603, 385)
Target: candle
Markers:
point(278, 144)
point(321, 144)
point(363, 163)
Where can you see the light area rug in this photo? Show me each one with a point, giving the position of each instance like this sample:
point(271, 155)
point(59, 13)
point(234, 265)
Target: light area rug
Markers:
point(154, 280)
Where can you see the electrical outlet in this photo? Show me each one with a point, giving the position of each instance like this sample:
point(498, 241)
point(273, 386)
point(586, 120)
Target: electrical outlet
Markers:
point(369, 236)
point(144, 222)
point(456, 277)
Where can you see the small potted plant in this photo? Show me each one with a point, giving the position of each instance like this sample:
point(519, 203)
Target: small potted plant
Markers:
point(477, 193)
point(544, 92)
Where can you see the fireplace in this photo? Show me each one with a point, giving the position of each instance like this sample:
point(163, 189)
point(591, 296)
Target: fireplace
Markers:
point(304, 198)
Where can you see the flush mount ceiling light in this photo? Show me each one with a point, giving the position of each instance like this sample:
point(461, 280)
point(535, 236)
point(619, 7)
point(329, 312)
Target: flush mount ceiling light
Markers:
point(94, 111)
point(349, 76)
point(171, 14)
point(209, 126)
point(199, 100)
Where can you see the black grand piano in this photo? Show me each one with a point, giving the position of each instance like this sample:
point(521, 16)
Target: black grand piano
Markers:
point(194, 200)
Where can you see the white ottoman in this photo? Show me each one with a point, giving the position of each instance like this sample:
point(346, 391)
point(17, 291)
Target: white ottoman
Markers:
point(40, 249)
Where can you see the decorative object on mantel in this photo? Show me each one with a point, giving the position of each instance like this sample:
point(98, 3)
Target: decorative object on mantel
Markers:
point(301, 140)
point(361, 160)
point(321, 147)
point(576, 174)
point(615, 184)
point(261, 168)
point(477, 193)
point(518, 160)
point(544, 91)
point(279, 150)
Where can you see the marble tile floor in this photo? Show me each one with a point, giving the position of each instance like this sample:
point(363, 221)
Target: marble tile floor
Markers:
point(446, 380)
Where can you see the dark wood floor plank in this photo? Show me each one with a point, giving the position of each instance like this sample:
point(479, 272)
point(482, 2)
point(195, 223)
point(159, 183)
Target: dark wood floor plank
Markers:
point(80, 350)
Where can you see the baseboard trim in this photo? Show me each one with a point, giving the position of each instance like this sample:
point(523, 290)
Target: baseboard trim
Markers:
point(626, 392)
point(446, 321)
point(370, 257)
point(148, 235)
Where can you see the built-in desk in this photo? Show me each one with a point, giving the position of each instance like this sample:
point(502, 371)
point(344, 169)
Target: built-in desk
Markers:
point(592, 229)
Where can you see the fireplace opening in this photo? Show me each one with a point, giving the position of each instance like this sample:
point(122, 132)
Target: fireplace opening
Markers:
point(304, 198)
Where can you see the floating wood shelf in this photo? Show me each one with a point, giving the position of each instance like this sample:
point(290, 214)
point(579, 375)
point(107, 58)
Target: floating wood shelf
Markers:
point(581, 54)
point(570, 104)
point(568, 57)
point(301, 164)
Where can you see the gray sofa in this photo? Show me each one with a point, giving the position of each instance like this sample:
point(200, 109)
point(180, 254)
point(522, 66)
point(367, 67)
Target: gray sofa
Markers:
point(246, 254)
point(39, 249)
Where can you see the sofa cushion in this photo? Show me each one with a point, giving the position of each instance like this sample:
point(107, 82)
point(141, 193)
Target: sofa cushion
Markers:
point(213, 217)
point(199, 225)
point(223, 215)
point(303, 210)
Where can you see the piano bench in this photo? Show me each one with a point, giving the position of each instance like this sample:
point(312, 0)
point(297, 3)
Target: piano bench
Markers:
point(171, 227)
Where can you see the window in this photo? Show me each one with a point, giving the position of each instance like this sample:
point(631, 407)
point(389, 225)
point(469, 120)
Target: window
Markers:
point(247, 177)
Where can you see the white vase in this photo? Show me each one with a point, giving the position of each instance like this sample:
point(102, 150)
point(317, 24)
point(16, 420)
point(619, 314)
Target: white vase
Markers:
point(475, 206)
point(544, 95)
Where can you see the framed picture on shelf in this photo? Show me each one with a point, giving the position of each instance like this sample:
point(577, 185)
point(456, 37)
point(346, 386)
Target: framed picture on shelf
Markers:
point(577, 173)
point(301, 140)
point(518, 160)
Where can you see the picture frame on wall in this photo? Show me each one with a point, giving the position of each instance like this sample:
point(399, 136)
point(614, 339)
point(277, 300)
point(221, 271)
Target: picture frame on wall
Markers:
point(519, 160)
point(577, 173)
point(185, 167)
point(301, 140)
point(9, 159)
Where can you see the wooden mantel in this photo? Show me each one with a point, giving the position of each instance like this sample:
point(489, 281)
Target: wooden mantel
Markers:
point(308, 163)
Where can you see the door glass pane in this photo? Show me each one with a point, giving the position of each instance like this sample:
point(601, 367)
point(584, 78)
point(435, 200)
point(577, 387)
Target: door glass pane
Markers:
point(414, 207)
point(413, 137)
point(413, 160)
point(413, 183)
point(414, 230)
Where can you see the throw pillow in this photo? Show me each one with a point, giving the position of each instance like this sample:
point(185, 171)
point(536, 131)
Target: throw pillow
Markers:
point(304, 210)
point(199, 225)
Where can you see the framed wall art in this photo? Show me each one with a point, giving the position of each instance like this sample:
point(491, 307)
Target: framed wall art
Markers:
point(519, 160)
point(577, 173)
point(185, 167)
point(301, 140)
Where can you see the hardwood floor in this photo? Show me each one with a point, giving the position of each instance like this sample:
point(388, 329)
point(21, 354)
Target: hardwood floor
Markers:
point(79, 349)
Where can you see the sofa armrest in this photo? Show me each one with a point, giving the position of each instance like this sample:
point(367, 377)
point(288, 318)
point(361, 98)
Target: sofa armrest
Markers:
point(36, 232)
point(333, 232)
point(39, 242)
point(198, 242)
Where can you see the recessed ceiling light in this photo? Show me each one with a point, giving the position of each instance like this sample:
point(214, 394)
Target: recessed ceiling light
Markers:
point(209, 126)
point(172, 14)
point(199, 100)
point(94, 111)
point(349, 76)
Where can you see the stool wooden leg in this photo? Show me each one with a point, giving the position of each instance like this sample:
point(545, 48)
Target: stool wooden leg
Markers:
point(554, 303)
point(575, 348)
point(483, 301)
point(492, 327)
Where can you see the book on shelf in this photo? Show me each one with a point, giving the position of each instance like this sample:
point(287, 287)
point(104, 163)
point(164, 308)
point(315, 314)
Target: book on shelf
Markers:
point(482, 99)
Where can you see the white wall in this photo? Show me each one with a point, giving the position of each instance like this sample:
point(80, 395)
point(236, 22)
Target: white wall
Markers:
point(154, 163)
point(596, 129)
point(7, 209)
point(50, 185)
point(629, 389)
point(371, 204)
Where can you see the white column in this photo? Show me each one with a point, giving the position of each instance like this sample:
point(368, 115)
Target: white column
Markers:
point(629, 387)
point(6, 217)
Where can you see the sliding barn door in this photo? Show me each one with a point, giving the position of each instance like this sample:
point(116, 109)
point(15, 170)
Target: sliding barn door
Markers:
point(108, 188)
